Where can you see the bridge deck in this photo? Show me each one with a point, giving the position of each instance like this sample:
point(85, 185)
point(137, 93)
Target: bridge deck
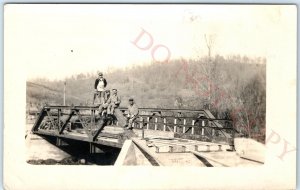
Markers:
point(102, 140)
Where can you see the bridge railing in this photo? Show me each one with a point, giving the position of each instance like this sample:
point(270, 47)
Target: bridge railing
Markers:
point(185, 123)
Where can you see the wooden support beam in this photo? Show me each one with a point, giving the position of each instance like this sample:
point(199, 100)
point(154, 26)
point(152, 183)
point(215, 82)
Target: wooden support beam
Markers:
point(39, 120)
point(141, 122)
point(220, 147)
point(94, 149)
point(60, 142)
point(50, 117)
point(58, 118)
point(175, 127)
point(86, 128)
point(101, 126)
point(193, 130)
point(66, 122)
point(184, 123)
point(148, 120)
point(170, 148)
point(155, 125)
point(156, 149)
point(208, 147)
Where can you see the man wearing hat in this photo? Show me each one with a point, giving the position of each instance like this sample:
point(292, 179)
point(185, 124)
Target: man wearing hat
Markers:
point(113, 102)
point(133, 112)
point(100, 84)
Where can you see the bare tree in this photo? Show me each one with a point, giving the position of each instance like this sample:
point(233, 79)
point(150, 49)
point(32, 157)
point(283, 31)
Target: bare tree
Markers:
point(210, 43)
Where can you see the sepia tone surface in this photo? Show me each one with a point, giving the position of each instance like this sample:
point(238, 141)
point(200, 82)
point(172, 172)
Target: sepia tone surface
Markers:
point(218, 63)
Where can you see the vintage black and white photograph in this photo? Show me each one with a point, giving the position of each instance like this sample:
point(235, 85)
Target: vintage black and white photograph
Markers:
point(186, 88)
point(170, 85)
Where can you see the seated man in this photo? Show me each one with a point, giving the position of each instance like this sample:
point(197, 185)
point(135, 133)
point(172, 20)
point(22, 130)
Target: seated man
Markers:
point(103, 107)
point(113, 102)
point(133, 112)
point(106, 95)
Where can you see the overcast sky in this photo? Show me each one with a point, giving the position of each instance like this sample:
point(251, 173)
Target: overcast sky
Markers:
point(55, 41)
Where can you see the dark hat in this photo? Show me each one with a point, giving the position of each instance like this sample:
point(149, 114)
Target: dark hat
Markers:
point(130, 99)
point(115, 89)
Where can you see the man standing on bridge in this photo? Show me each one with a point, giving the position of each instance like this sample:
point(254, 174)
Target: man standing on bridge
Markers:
point(133, 112)
point(100, 84)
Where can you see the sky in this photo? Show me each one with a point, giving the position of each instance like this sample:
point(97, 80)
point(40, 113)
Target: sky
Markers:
point(56, 41)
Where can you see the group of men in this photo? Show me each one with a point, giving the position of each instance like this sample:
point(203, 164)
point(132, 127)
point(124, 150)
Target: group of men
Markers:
point(110, 101)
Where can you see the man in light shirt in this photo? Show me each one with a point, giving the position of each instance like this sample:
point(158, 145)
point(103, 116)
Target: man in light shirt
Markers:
point(113, 102)
point(133, 112)
point(100, 84)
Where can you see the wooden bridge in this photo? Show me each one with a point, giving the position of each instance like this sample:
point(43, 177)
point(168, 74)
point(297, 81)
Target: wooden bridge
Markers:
point(157, 130)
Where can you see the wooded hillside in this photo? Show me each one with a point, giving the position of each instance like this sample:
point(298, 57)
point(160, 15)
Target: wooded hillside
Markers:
point(232, 87)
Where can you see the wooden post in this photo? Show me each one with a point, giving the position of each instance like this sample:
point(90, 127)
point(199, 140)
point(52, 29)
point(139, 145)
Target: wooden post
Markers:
point(175, 121)
point(156, 149)
point(184, 123)
point(193, 123)
point(220, 147)
point(183, 148)
point(141, 120)
point(155, 126)
point(208, 147)
point(92, 116)
point(203, 123)
point(202, 129)
point(196, 147)
point(165, 124)
point(170, 148)
point(148, 120)
point(58, 118)
point(65, 83)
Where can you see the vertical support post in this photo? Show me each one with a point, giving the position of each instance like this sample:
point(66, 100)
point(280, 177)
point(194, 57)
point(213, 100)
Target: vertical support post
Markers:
point(203, 123)
point(92, 117)
point(202, 129)
point(65, 83)
point(170, 148)
point(141, 122)
point(148, 120)
point(58, 118)
point(156, 149)
point(196, 147)
point(165, 124)
point(184, 123)
point(208, 147)
point(155, 125)
point(143, 133)
point(92, 148)
point(193, 130)
point(175, 127)
point(220, 147)
point(58, 142)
